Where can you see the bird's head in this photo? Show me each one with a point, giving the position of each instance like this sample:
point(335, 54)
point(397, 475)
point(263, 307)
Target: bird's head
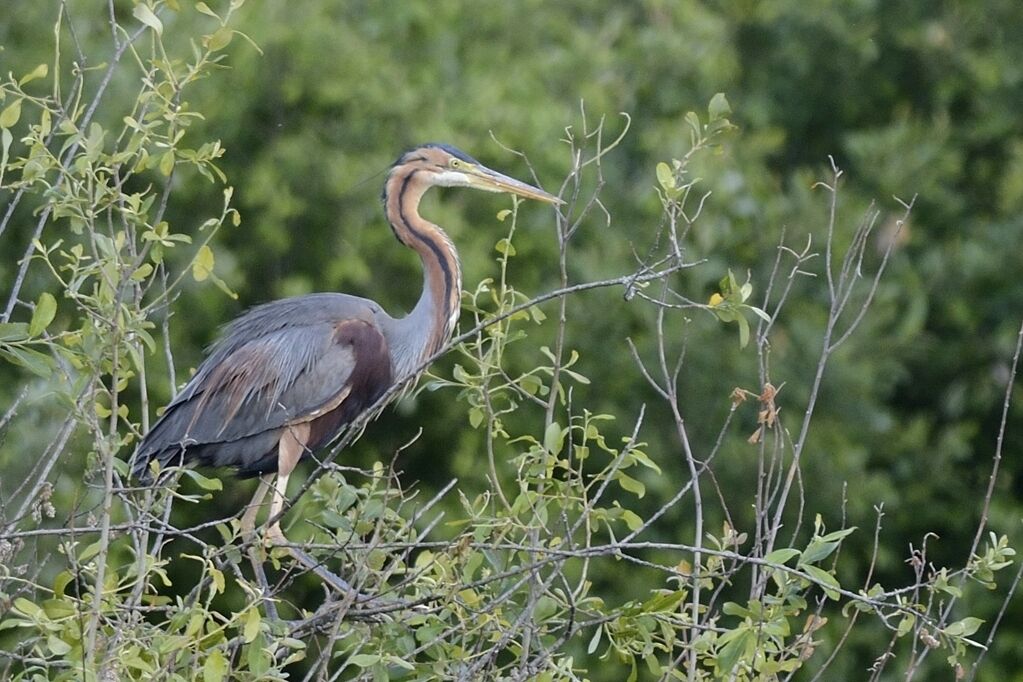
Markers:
point(445, 166)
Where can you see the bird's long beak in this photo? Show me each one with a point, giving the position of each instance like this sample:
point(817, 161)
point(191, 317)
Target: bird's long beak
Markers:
point(483, 178)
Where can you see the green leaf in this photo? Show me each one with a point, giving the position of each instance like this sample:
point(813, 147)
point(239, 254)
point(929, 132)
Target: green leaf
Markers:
point(222, 285)
point(576, 376)
point(62, 580)
point(505, 247)
point(58, 608)
point(663, 602)
point(142, 272)
point(652, 664)
point(743, 331)
point(14, 623)
point(760, 313)
point(26, 607)
point(10, 115)
point(906, 624)
point(730, 283)
point(57, 646)
point(146, 16)
point(729, 655)
point(217, 577)
point(665, 177)
point(167, 161)
point(718, 107)
point(838, 534)
point(252, 621)
point(215, 668)
point(632, 520)
point(400, 662)
point(632, 485)
point(964, 628)
point(774, 667)
point(694, 122)
point(205, 9)
point(39, 72)
point(817, 551)
point(93, 144)
point(220, 39)
point(828, 582)
point(42, 316)
point(595, 640)
point(645, 460)
point(32, 360)
point(730, 608)
point(530, 383)
point(89, 552)
point(780, 556)
point(204, 482)
point(202, 266)
point(5, 150)
point(13, 331)
point(503, 213)
point(554, 438)
point(364, 660)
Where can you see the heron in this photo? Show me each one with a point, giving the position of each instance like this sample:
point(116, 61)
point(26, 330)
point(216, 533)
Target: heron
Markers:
point(286, 378)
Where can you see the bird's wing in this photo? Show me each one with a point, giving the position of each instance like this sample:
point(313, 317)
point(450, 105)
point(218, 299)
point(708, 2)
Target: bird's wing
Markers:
point(274, 367)
point(272, 381)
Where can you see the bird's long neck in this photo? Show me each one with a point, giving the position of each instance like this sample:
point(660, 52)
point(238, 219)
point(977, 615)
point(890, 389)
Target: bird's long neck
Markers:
point(428, 327)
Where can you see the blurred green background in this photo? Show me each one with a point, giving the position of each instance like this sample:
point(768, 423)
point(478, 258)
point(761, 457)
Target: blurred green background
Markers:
point(919, 97)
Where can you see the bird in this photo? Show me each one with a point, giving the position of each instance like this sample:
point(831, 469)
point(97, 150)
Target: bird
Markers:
point(286, 378)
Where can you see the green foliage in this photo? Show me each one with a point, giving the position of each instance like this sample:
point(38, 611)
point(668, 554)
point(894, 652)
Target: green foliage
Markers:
point(730, 301)
point(576, 541)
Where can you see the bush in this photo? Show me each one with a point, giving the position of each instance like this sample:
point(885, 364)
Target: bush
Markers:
point(582, 543)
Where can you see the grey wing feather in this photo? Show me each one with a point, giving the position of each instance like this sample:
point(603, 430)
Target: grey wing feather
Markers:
point(269, 382)
point(272, 366)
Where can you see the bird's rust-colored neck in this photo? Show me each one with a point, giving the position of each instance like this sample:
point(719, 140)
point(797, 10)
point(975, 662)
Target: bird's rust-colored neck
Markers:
point(440, 300)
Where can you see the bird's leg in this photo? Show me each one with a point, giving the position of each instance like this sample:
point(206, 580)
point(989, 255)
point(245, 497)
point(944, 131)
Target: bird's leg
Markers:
point(248, 533)
point(289, 452)
point(248, 522)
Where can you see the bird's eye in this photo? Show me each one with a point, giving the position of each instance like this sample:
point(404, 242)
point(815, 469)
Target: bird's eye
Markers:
point(455, 163)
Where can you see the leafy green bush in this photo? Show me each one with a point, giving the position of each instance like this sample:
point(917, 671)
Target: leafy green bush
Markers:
point(586, 543)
